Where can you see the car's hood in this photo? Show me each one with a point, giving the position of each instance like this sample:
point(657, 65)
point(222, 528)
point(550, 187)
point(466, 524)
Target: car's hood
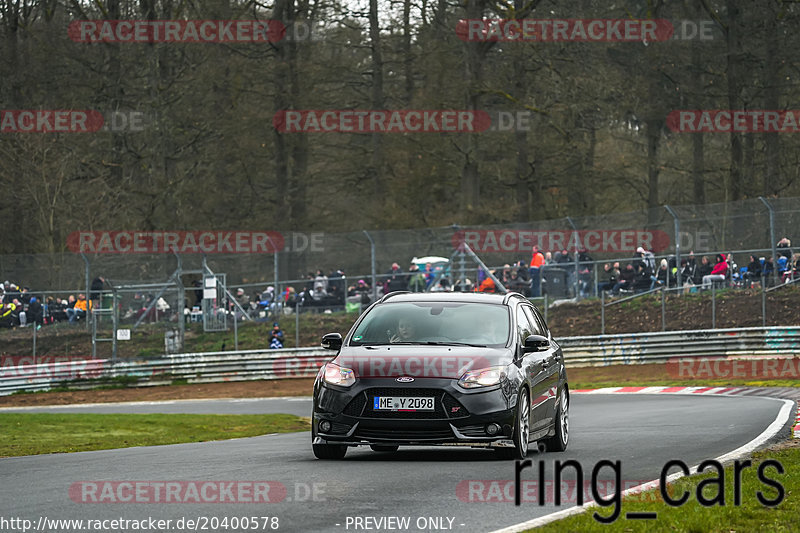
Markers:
point(393, 361)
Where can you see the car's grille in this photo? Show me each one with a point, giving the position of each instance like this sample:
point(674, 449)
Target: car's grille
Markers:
point(407, 435)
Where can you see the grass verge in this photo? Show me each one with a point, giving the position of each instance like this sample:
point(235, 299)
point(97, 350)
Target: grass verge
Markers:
point(749, 515)
point(38, 433)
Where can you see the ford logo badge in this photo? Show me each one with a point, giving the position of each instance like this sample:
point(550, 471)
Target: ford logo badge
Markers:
point(405, 379)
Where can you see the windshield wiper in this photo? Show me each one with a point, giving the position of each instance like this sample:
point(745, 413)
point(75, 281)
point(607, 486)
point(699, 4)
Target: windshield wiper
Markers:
point(453, 343)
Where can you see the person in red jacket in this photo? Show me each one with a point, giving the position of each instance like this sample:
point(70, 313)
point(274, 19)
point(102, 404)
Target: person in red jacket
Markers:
point(487, 285)
point(718, 273)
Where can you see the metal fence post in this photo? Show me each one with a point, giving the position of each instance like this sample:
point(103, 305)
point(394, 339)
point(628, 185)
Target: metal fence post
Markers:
point(677, 244)
point(773, 242)
point(713, 306)
point(297, 323)
point(577, 265)
point(235, 331)
point(602, 312)
point(35, 327)
point(545, 308)
point(663, 309)
point(88, 285)
point(372, 266)
point(763, 302)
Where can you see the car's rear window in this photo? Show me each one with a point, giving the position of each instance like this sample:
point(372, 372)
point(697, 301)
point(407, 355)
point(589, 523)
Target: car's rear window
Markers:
point(434, 322)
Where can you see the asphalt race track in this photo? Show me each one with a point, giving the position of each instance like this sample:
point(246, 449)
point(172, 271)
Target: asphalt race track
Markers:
point(431, 486)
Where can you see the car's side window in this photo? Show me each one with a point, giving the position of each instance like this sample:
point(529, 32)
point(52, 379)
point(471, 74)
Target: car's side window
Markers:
point(523, 325)
point(536, 326)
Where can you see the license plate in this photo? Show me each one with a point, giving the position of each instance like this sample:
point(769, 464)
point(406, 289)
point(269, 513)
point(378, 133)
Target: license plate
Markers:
point(395, 403)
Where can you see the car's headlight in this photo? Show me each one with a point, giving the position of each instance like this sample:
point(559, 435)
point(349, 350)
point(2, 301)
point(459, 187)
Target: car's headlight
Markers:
point(485, 377)
point(338, 375)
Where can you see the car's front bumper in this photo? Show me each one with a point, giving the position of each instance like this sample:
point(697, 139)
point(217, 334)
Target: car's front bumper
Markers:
point(460, 418)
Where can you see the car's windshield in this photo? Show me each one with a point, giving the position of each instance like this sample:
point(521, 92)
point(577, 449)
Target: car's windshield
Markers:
point(434, 322)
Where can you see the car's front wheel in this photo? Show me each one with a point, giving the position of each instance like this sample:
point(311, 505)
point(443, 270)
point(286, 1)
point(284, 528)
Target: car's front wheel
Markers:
point(522, 429)
point(559, 441)
point(329, 451)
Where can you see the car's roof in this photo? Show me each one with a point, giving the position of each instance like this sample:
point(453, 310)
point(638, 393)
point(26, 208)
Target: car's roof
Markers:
point(468, 297)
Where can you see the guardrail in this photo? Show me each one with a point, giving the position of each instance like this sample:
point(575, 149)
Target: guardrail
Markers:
point(659, 347)
point(637, 348)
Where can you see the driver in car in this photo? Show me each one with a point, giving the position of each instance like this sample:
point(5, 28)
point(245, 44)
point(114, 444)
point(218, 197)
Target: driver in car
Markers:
point(406, 331)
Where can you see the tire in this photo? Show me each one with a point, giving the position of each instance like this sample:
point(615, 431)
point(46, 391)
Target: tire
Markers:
point(384, 448)
point(559, 441)
point(329, 451)
point(522, 429)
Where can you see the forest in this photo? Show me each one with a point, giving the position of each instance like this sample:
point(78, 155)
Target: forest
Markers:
point(191, 137)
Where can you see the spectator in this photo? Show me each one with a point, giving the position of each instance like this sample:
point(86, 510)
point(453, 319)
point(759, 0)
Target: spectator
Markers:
point(663, 277)
point(80, 308)
point(58, 311)
point(703, 270)
point(626, 280)
point(337, 279)
point(442, 286)
point(768, 271)
point(516, 283)
point(275, 337)
point(784, 248)
point(688, 268)
point(96, 291)
point(753, 273)
point(9, 315)
point(643, 280)
point(396, 279)
point(416, 281)
point(429, 275)
point(718, 273)
point(487, 285)
point(534, 272)
point(320, 281)
point(35, 312)
point(242, 298)
point(608, 278)
point(548, 258)
point(784, 267)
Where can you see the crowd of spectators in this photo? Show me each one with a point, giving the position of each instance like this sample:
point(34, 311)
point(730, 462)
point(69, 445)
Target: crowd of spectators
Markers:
point(334, 291)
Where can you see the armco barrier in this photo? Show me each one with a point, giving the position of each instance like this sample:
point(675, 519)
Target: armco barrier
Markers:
point(192, 368)
point(600, 350)
point(640, 348)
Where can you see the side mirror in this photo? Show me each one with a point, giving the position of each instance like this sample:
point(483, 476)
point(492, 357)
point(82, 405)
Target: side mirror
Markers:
point(536, 343)
point(331, 341)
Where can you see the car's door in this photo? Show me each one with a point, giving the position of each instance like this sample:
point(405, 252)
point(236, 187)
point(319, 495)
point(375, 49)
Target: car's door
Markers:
point(550, 361)
point(534, 370)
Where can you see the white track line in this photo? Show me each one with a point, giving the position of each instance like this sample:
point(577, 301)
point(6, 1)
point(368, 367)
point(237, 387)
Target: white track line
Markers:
point(783, 416)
